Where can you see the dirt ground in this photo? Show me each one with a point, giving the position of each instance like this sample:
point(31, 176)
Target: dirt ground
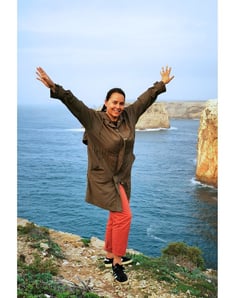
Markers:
point(83, 265)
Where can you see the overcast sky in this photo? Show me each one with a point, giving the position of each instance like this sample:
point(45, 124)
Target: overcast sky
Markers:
point(92, 46)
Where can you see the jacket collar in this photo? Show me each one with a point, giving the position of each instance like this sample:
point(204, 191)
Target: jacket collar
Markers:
point(110, 123)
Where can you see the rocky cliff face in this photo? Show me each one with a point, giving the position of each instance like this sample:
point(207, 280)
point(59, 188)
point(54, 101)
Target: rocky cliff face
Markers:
point(185, 109)
point(160, 113)
point(155, 117)
point(207, 147)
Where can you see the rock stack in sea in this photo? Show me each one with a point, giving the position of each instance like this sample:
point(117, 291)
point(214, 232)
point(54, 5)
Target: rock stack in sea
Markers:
point(160, 113)
point(207, 147)
point(155, 117)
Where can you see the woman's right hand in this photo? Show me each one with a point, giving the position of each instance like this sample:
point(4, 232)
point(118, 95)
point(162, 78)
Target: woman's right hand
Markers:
point(165, 75)
point(45, 79)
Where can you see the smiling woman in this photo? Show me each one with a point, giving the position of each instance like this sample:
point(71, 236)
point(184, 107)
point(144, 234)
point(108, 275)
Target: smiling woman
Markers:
point(114, 103)
point(110, 138)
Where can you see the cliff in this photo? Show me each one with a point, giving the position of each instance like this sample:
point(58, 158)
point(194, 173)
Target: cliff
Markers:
point(207, 146)
point(155, 117)
point(160, 113)
point(82, 264)
point(79, 265)
point(185, 109)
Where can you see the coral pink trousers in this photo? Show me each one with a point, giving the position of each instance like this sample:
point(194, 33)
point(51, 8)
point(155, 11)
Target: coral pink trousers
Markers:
point(118, 227)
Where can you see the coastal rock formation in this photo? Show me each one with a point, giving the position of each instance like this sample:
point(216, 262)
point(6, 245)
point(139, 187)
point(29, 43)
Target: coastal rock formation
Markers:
point(185, 109)
point(207, 147)
point(155, 117)
point(160, 113)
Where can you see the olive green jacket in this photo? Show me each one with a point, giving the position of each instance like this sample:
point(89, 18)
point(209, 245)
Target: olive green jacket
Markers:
point(110, 146)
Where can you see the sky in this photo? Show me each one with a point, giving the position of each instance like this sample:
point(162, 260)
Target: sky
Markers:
point(92, 46)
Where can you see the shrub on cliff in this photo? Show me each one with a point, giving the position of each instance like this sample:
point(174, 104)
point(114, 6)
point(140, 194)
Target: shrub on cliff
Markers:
point(182, 267)
point(184, 255)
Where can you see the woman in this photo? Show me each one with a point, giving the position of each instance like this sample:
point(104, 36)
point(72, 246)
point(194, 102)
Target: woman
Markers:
point(110, 136)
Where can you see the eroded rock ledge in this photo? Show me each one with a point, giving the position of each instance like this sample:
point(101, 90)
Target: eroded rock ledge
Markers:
point(207, 147)
point(160, 113)
point(155, 117)
point(82, 263)
point(185, 109)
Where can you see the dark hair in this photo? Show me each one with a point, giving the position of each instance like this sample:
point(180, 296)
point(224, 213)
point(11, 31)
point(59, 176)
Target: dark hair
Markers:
point(109, 93)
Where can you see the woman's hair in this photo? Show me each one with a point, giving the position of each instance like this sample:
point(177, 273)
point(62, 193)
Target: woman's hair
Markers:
point(109, 93)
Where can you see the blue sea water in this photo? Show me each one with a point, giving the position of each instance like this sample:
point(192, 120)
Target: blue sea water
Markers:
point(168, 205)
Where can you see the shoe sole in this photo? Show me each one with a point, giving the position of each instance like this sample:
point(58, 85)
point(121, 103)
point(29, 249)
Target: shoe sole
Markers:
point(121, 282)
point(123, 263)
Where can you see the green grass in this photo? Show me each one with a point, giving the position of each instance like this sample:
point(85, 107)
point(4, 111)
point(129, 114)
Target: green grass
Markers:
point(181, 266)
point(36, 279)
point(38, 236)
point(86, 242)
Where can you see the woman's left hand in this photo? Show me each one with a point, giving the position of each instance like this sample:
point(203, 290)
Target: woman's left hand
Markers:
point(165, 75)
point(44, 78)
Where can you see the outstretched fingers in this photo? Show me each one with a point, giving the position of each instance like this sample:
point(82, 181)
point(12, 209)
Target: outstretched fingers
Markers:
point(165, 74)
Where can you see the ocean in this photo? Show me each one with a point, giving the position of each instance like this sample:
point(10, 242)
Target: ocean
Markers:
point(168, 204)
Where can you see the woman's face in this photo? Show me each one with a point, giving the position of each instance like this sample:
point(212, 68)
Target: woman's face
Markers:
point(115, 106)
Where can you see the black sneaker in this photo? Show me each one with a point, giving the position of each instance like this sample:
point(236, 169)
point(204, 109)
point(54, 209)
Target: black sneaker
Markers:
point(118, 273)
point(125, 261)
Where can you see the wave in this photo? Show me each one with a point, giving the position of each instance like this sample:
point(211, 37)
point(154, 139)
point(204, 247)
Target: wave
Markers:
point(76, 129)
point(140, 130)
point(150, 233)
point(157, 129)
point(196, 182)
point(82, 129)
